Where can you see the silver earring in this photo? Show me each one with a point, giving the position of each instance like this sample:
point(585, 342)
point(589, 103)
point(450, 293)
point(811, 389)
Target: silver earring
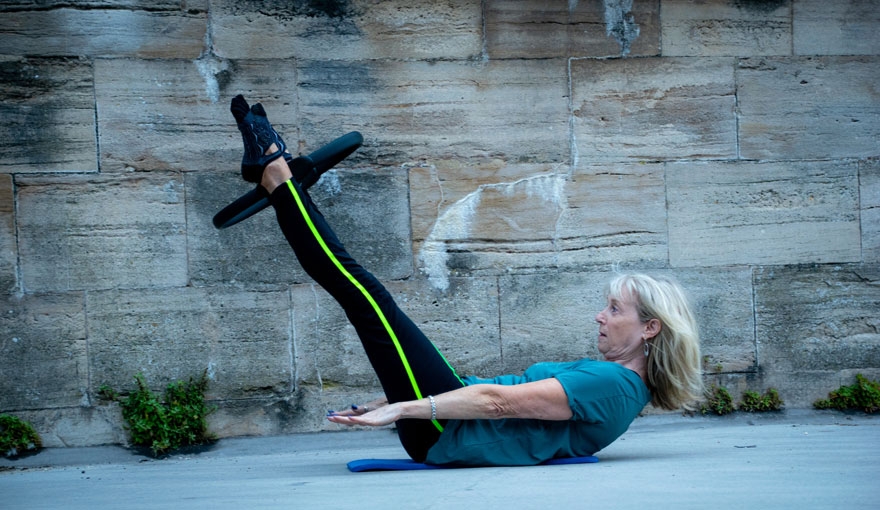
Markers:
point(646, 349)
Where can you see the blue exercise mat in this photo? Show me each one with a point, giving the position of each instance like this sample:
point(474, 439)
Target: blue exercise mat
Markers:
point(359, 466)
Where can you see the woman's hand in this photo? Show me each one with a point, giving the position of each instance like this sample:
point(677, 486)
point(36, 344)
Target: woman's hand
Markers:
point(384, 415)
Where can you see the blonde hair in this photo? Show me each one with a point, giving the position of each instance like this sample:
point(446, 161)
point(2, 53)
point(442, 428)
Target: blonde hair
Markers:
point(674, 363)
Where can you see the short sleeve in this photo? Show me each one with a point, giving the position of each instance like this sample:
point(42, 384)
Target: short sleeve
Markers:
point(602, 391)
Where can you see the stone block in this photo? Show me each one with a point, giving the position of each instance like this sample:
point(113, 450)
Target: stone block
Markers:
point(263, 417)
point(721, 300)
point(249, 255)
point(462, 322)
point(103, 32)
point(515, 110)
point(844, 27)
point(484, 216)
point(536, 29)
point(808, 108)
point(818, 318)
point(799, 389)
point(8, 244)
point(869, 194)
point(444, 188)
point(80, 232)
point(367, 208)
point(351, 30)
point(494, 218)
point(762, 213)
point(43, 353)
point(613, 214)
point(551, 317)
point(653, 109)
point(176, 116)
point(242, 339)
point(72, 427)
point(47, 108)
point(720, 28)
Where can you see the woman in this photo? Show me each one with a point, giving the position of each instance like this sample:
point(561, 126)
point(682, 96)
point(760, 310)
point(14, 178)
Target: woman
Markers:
point(647, 335)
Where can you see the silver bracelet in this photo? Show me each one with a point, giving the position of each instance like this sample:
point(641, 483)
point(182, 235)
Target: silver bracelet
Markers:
point(433, 407)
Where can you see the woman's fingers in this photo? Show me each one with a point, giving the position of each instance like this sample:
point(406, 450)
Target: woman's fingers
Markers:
point(354, 410)
point(340, 419)
point(375, 418)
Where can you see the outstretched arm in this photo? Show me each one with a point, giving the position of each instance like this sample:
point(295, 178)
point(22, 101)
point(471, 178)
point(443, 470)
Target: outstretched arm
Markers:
point(542, 400)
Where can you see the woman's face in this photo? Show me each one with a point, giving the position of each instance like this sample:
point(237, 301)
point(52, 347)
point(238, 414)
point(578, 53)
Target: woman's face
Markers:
point(621, 332)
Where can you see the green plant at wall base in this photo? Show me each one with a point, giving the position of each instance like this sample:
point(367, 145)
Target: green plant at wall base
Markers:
point(863, 395)
point(177, 420)
point(718, 401)
point(17, 436)
point(754, 402)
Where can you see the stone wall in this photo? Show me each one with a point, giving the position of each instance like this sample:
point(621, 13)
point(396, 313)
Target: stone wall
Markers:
point(515, 151)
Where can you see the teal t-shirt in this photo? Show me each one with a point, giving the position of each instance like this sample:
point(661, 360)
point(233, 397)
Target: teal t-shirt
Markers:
point(604, 398)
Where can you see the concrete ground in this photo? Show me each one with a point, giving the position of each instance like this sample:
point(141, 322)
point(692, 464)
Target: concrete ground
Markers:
point(796, 459)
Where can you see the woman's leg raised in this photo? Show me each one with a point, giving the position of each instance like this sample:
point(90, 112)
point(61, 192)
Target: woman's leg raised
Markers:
point(407, 364)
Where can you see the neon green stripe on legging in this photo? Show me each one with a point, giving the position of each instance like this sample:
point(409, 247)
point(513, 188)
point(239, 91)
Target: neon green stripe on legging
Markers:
point(369, 298)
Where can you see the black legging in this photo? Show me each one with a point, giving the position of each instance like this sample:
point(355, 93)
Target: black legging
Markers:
point(408, 365)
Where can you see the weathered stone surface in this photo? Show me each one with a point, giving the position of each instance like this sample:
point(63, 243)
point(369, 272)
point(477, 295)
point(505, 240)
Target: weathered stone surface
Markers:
point(484, 216)
point(462, 322)
point(844, 27)
point(43, 356)
point(514, 109)
point(869, 185)
point(103, 33)
point(801, 388)
point(722, 302)
point(179, 118)
point(808, 108)
point(8, 244)
point(249, 255)
point(95, 232)
point(653, 109)
point(242, 339)
point(71, 427)
point(538, 29)
point(613, 214)
point(722, 28)
point(770, 213)
point(306, 411)
point(47, 116)
point(350, 30)
point(551, 317)
point(367, 208)
point(820, 319)
point(496, 218)
point(327, 352)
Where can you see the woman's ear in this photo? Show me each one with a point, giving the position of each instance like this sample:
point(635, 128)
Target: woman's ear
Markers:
point(652, 328)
